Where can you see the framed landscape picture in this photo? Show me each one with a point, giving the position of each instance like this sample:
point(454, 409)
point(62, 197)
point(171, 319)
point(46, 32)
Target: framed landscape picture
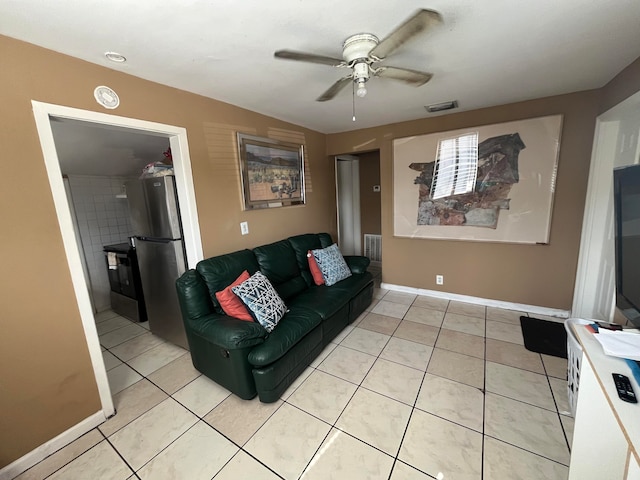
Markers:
point(492, 183)
point(272, 172)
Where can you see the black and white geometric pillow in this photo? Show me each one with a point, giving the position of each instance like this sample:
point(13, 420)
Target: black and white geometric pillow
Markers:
point(262, 300)
point(332, 264)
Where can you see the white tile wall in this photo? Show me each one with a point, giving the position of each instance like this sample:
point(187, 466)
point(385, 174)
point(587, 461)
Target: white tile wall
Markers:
point(102, 219)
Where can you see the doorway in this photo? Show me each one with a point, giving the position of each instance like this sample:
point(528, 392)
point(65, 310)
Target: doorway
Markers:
point(43, 113)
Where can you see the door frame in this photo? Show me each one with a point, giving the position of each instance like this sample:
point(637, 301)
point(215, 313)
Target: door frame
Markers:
point(188, 211)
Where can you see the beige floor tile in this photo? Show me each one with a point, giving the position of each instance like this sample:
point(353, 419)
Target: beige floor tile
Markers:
point(434, 445)
point(175, 375)
point(120, 335)
point(416, 332)
point(343, 334)
point(400, 297)
point(378, 293)
point(131, 403)
point(152, 432)
point(244, 466)
point(457, 367)
point(568, 424)
point(526, 426)
point(155, 358)
point(519, 385)
point(297, 382)
point(121, 377)
point(198, 454)
point(453, 401)
point(110, 360)
point(348, 364)
point(323, 354)
point(461, 342)
point(323, 396)
point(513, 355)
point(63, 456)
point(288, 440)
point(201, 396)
point(104, 315)
point(555, 366)
point(390, 309)
point(433, 303)
point(365, 341)
point(402, 471)
point(505, 316)
point(334, 460)
point(239, 419)
point(394, 380)
point(405, 352)
point(560, 395)
point(505, 332)
point(101, 461)
point(506, 462)
point(469, 309)
point(137, 345)
point(426, 316)
point(359, 319)
point(464, 324)
point(364, 419)
point(379, 323)
point(112, 324)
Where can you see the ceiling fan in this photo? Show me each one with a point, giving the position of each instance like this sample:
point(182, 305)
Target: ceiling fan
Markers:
point(361, 53)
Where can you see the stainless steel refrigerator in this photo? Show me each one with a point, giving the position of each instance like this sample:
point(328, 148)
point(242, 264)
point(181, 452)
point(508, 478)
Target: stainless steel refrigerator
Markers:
point(155, 217)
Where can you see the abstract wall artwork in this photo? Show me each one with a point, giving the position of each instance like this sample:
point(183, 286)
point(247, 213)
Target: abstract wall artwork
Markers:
point(492, 183)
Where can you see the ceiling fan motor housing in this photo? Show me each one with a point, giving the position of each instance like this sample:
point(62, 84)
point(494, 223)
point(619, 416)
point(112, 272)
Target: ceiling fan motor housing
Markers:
point(358, 46)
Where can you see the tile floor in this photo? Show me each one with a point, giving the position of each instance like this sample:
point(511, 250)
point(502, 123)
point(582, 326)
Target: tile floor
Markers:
point(414, 387)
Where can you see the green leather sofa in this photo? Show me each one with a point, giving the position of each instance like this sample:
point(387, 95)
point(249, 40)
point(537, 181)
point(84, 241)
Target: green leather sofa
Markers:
point(241, 356)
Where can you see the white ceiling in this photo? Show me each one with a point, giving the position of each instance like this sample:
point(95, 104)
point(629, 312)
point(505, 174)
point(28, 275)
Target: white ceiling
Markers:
point(486, 52)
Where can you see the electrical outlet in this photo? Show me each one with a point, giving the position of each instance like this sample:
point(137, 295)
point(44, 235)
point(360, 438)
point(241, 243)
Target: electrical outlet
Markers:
point(439, 279)
point(244, 228)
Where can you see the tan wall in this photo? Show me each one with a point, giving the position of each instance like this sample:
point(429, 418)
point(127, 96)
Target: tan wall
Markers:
point(541, 275)
point(621, 87)
point(46, 380)
point(370, 204)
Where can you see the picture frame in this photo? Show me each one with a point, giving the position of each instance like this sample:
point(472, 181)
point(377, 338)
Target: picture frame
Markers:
point(271, 171)
point(505, 196)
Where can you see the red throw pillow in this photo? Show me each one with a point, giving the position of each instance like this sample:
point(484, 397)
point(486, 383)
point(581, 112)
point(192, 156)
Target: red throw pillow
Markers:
point(231, 304)
point(318, 279)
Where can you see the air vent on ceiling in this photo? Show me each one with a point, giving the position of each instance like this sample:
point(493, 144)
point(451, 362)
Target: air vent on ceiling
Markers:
point(439, 107)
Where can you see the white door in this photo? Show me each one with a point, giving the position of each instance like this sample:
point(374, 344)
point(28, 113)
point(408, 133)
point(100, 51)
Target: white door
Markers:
point(348, 199)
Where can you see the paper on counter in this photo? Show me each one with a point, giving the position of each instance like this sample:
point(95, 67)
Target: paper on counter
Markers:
point(619, 344)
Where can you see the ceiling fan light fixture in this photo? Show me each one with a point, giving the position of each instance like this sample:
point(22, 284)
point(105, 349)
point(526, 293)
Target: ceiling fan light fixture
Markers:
point(361, 90)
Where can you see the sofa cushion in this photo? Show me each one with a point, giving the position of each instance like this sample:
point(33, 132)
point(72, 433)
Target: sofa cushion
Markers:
point(277, 261)
point(262, 300)
point(323, 300)
point(332, 264)
point(231, 304)
point(354, 283)
point(316, 273)
point(219, 272)
point(296, 323)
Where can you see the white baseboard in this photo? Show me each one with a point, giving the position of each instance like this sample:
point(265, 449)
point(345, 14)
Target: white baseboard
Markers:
point(551, 312)
point(43, 451)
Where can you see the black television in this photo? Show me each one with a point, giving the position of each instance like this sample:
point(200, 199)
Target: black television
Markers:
point(626, 198)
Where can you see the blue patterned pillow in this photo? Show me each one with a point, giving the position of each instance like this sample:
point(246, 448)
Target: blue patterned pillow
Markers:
point(262, 300)
point(332, 264)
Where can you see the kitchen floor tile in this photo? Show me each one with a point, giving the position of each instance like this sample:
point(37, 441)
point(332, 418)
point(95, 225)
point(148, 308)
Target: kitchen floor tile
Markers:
point(505, 316)
point(104, 315)
point(239, 419)
point(526, 426)
point(416, 332)
point(335, 460)
point(568, 423)
point(120, 335)
point(426, 316)
point(433, 303)
point(513, 355)
point(175, 374)
point(244, 466)
point(198, 454)
point(390, 309)
point(464, 324)
point(323, 396)
point(112, 324)
point(465, 343)
point(435, 445)
point(400, 297)
point(405, 352)
point(121, 377)
point(365, 341)
point(506, 462)
point(394, 380)
point(379, 323)
point(100, 461)
point(152, 432)
point(555, 366)
point(110, 360)
point(560, 395)
point(402, 471)
point(453, 401)
point(136, 346)
point(457, 367)
point(201, 396)
point(348, 364)
point(155, 358)
point(375, 419)
point(519, 385)
point(288, 440)
point(505, 332)
point(469, 309)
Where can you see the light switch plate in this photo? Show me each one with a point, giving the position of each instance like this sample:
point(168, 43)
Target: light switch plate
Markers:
point(244, 228)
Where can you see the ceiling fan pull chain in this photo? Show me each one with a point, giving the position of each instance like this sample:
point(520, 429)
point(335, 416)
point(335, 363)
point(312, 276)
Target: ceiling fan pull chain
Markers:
point(353, 91)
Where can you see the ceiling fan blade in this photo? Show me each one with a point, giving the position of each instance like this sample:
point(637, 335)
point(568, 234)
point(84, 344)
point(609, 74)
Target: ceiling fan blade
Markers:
point(308, 57)
point(414, 25)
point(412, 77)
point(335, 88)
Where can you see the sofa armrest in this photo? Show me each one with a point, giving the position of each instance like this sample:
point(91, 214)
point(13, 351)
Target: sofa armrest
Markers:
point(357, 263)
point(227, 332)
